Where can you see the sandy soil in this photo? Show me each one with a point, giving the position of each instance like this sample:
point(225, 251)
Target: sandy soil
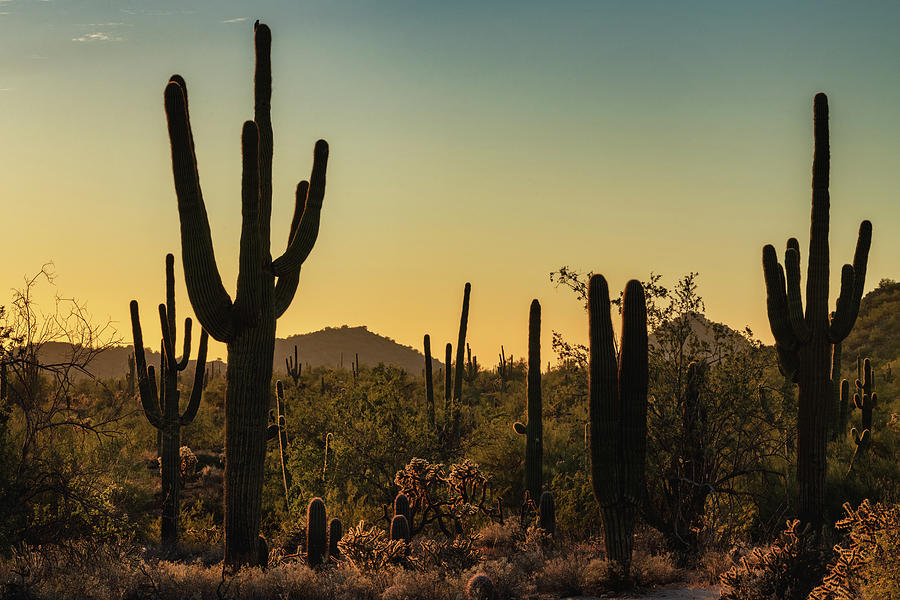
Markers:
point(675, 593)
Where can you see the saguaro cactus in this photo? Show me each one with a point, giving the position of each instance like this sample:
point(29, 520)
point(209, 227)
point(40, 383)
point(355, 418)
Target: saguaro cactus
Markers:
point(335, 533)
point(247, 324)
point(461, 347)
point(804, 341)
point(293, 366)
point(283, 441)
point(448, 381)
point(865, 400)
point(429, 385)
point(161, 404)
point(834, 408)
point(316, 533)
point(618, 413)
point(534, 431)
point(547, 513)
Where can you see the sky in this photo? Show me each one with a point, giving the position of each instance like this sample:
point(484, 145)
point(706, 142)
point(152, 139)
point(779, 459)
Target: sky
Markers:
point(489, 142)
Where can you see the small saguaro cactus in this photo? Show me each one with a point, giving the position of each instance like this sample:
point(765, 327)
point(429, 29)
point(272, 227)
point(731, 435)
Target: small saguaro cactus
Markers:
point(865, 400)
point(834, 407)
point(130, 378)
point(402, 507)
point(246, 325)
point(429, 384)
point(161, 404)
point(845, 405)
point(547, 513)
point(534, 430)
point(335, 533)
point(282, 441)
point(316, 533)
point(400, 528)
point(293, 366)
point(618, 413)
point(804, 340)
point(480, 587)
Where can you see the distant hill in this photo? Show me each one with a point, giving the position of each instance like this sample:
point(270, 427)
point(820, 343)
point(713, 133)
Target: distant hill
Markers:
point(704, 330)
point(876, 334)
point(327, 347)
point(319, 348)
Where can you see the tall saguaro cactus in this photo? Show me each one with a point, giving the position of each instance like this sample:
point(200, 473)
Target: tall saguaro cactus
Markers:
point(804, 341)
point(247, 324)
point(161, 404)
point(534, 430)
point(429, 385)
point(618, 413)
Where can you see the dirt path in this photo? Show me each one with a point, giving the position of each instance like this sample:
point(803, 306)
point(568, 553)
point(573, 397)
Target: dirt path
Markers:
point(676, 593)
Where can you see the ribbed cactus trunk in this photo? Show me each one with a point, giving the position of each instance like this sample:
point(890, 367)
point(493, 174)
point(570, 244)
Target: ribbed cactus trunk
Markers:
point(534, 430)
point(161, 404)
point(804, 340)
point(618, 414)
point(246, 325)
point(461, 348)
point(429, 384)
point(448, 381)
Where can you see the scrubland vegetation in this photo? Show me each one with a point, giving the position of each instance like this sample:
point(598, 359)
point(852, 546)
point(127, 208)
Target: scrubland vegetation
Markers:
point(680, 452)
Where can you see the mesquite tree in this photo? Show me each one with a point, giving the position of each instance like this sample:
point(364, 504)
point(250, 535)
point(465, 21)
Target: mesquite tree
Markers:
point(805, 341)
point(161, 404)
point(265, 288)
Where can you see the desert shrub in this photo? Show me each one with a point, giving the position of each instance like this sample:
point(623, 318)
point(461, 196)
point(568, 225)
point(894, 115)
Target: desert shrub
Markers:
point(454, 555)
point(867, 565)
point(788, 570)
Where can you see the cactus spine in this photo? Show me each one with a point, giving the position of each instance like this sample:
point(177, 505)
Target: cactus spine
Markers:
point(804, 341)
point(316, 532)
point(534, 431)
point(618, 413)
point(247, 324)
point(429, 384)
point(161, 404)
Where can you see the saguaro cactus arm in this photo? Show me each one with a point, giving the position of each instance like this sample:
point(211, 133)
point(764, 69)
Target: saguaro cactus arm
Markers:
point(211, 302)
point(304, 237)
point(633, 382)
point(197, 390)
point(247, 300)
point(286, 286)
point(851, 295)
point(604, 413)
point(169, 344)
point(146, 376)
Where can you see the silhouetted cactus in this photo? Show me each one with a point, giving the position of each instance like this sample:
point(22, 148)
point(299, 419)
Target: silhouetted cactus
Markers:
point(293, 366)
point(480, 587)
point(834, 407)
point(865, 400)
point(247, 324)
point(283, 441)
point(335, 533)
point(429, 384)
point(845, 405)
point(130, 378)
point(448, 384)
point(402, 507)
point(460, 349)
point(400, 528)
point(316, 533)
point(161, 404)
point(618, 413)
point(804, 341)
point(547, 513)
point(534, 430)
